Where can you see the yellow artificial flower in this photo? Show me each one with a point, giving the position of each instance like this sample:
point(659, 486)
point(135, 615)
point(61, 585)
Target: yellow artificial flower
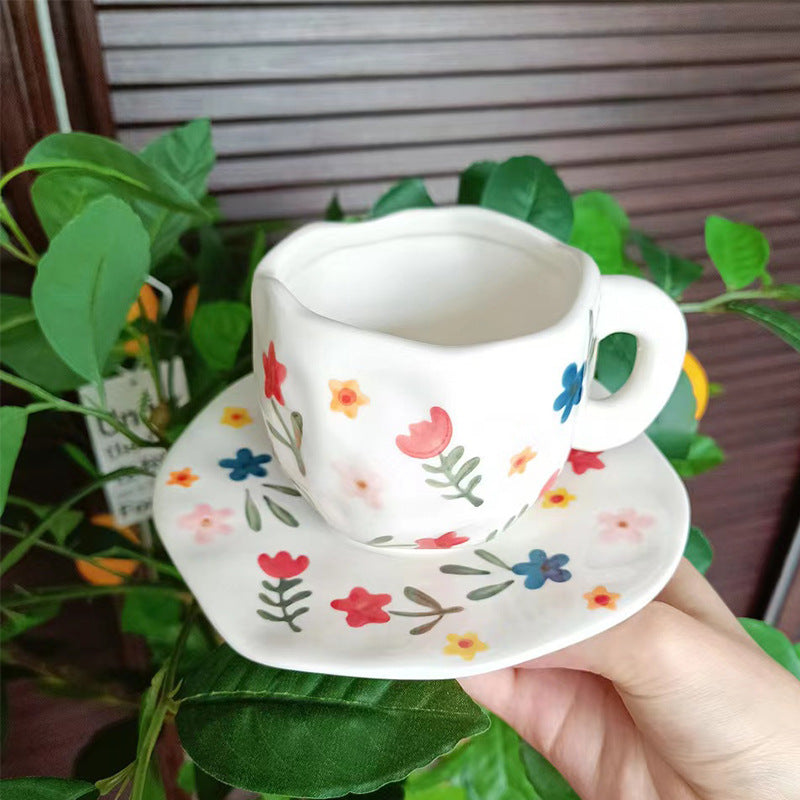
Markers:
point(235, 417)
point(557, 498)
point(465, 646)
point(347, 397)
point(520, 461)
point(600, 597)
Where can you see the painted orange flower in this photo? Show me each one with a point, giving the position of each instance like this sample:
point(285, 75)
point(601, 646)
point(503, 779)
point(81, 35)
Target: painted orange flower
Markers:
point(520, 461)
point(557, 498)
point(347, 397)
point(600, 597)
point(235, 417)
point(182, 477)
point(465, 646)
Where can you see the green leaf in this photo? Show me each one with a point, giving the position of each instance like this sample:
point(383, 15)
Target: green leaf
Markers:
point(704, 454)
point(528, 189)
point(297, 427)
point(460, 569)
point(87, 281)
point(467, 467)
point(421, 598)
point(410, 193)
point(18, 622)
point(347, 734)
point(443, 791)
point(333, 211)
point(196, 782)
point(740, 252)
point(779, 322)
point(109, 750)
point(46, 789)
point(251, 512)
point(132, 177)
point(13, 422)
point(601, 229)
point(698, 550)
point(484, 592)
point(217, 276)
point(672, 273)
point(81, 459)
point(61, 195)
point(492, 559)
point(26, 350)
point(473, 181)
point(290, 490)
point(218, 330)
point(281, 513)
point(774, 643)
point(545, 779)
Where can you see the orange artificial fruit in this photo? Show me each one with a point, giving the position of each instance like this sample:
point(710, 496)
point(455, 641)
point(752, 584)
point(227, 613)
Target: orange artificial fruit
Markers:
point(699, 380)
point(190, 303)
point(97, 572)
point(147, 300)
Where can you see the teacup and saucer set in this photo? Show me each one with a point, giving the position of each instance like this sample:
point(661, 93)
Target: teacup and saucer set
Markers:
point(418, 479)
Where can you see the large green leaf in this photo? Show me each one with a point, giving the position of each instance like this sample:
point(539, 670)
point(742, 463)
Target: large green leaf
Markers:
point(473, 180)
point(774, 643)
point(544, 777)
point(779, 322)
point(13, 422)
point(25, 349)
point(672, 273)
point(218, 330)
point(325, 735)
point(698, 550)
point(600, 229)
point(528, 189)
point(704, 454)
point(85, 153)
point(60, 195)
point(87, 280)
point(410, 193)
point(443, 791)
point(46, 789)
point(740, 252)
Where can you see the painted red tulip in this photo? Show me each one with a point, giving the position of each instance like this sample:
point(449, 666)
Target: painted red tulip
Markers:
point(427, 439)
point(282, 565)
point(274, 374)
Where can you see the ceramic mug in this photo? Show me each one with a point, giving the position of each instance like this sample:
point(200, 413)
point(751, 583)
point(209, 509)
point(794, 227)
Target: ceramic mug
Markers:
point(423, 376)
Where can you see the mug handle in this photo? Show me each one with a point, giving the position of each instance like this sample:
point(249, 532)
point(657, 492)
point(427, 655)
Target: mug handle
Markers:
point(635, 306)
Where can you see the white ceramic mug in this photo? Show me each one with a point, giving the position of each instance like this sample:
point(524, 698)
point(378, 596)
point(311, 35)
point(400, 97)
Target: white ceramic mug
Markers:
point(424, 375)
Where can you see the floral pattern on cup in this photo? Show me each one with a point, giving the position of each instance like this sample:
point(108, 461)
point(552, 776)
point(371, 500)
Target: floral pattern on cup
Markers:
point(274, 375)
point(626, 525)
point(286, 569)
point(572, 381)
point(182, 477)
point(540, 568)
point(583, 460)
point(206, 522)
point(549, 484)
point(600, 597)
point(347, 397)
point(362, 607)
point(244, 464)
point(443, 542)
point(520, 461)
point(360, 483)
point(235, 416)
point(466, 645)
point(428, 439)
point(557, 498)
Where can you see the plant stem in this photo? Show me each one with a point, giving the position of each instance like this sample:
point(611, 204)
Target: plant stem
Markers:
point(18, 253)
point(713, 304)
point(11, 224)
point(16, 553)
point(433, 613)
point(289, 441)
point(59, 594)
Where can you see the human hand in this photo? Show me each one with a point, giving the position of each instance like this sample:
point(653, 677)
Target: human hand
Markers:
point(675, 702)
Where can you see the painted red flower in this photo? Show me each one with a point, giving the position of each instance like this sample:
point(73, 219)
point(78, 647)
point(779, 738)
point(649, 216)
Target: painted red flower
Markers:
point(363, 607)
point(282, 565)
point(274, 374)
point(443, 542)
point(581, 460)
point(551, 482)
point(427, 439)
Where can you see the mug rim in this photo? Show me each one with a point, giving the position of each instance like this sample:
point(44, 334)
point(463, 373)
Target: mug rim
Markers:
point(352, 233)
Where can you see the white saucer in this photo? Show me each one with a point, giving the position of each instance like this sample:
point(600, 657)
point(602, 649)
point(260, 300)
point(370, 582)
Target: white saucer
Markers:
point(375, 611)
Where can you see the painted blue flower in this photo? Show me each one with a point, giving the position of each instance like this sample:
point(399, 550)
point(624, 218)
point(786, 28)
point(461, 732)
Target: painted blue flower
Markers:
point(539, 568)
point(572, 380)
point(245, 464)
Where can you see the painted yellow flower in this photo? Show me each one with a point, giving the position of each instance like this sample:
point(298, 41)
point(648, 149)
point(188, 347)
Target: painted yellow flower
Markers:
point(520, 461)
point(347, 397)
point(465, 646)
point(235, 417)
point(557, 498)
point(182, 477)
point(600, 597)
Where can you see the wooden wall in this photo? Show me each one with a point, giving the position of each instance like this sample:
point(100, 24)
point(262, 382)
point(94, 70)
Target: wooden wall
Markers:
point(680, 109)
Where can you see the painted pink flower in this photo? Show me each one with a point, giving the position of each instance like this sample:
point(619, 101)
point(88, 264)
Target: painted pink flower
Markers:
point(625, 525)
point(551, 482)
point(427, 439)
point(206, 522)
point(274, 374)
point(582, 460)
point(362, 607)
point(282, 565)
point(443, 542)
point(361, 483)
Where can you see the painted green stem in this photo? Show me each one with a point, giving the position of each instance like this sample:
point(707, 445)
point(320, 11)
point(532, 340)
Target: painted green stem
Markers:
point(289, 440)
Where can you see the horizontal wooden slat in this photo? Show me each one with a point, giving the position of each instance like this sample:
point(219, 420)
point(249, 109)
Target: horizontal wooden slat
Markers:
point(396, 94)
point(153, 27)
point(374, 59)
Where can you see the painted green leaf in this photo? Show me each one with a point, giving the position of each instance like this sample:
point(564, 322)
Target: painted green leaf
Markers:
point(333, 211)
point(739, 252)
point(467, 467)
point(488, 591)
point(87, 281)
point(46, 789)
point(13, 422)
point(449, 461)
point(420, 597)
point(85, 153)
point(774, 643)
point(251, 512)
point(783, 325)
point(281, 513)
point(218, 330)
point(297, 427)
point(528, 189)
point(460, 569)
point(349, 734)
point(290, 490)
point(26, 350)
point(704, 454)
point(672, 273)
point(410, 193)
point(492, 559)
point(545, 779)
point(473, 181)
point(698, 550)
